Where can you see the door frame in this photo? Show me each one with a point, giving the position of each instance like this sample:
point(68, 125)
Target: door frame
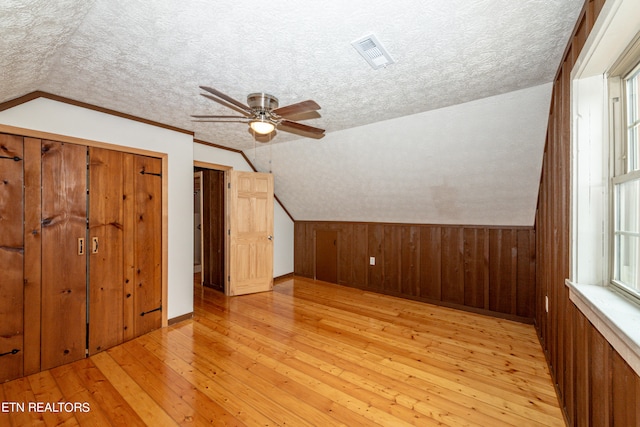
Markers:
point(199, 175)
point(164, 157)
point(225, 169)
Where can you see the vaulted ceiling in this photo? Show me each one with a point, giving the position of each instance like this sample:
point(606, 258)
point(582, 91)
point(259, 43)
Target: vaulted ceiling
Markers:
point(452, 132)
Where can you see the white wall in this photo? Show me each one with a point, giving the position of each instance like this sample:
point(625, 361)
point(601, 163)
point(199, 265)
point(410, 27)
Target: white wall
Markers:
point(282, 223)
point(54, 117)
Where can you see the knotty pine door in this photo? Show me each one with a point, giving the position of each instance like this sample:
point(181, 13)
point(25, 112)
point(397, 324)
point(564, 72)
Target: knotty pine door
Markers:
point(80, 251)
point(64, 262)
point(12, 281)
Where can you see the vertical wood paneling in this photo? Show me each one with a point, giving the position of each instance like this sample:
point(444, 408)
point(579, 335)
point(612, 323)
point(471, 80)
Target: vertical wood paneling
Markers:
point(453, 265)
point(32, 253)
point(526, 274)
point(625, 389)
point(360, 256)
point(147, 292)
point(129, 241)
point(501, 251)
point(299, 250)
point(345, 254)
point(106, 262)
point(599, 364)
point(11, 257)
point(410, 261)
point(474, 267)
point(64, 213)
point(582, 351)
point(376, 249)
point(392, 278)
point(431, 263)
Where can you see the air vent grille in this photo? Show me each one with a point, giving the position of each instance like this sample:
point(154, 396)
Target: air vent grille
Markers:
point(373, 51)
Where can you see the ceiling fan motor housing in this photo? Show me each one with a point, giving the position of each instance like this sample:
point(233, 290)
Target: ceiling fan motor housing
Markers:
point(262, 102)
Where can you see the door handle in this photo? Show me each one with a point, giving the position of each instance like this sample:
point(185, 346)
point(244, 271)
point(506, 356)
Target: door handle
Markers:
point(94, 249)
point(80, 245)
point(270, 237)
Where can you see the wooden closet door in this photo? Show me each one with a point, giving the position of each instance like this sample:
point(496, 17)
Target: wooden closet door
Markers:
point(64, 223)
point(105, 249)
point(11, 257)
point(143, 253)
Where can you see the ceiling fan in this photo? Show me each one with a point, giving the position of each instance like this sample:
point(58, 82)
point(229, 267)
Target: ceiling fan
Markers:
point(263, 114)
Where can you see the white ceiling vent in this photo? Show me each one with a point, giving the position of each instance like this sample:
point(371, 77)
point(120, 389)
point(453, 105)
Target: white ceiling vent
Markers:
point(373, 51)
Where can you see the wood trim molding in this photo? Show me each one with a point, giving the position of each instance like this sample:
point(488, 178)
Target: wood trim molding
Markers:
point(282, 278)
point(79, 141)
point(174, 320)
point(222, 147)
point(490, 227)
point(40, 94)
point(207, 165)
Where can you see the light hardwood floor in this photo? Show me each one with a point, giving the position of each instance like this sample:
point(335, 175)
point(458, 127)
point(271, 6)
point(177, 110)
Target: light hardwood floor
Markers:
point(308, 353)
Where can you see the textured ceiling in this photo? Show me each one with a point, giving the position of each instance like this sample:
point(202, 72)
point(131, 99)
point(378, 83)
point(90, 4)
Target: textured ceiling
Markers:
point(147, 59)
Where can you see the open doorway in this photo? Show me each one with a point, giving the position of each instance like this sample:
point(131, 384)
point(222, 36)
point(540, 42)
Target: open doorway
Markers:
point(209, 232)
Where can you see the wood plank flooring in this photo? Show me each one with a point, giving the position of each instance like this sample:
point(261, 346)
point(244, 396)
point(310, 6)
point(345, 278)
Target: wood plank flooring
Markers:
point(307, 354)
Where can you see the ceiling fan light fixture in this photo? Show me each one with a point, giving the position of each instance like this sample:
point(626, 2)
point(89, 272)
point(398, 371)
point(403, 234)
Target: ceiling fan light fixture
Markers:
point(262, 126)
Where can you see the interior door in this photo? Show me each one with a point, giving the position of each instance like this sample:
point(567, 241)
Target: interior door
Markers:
point(144, 181)
point(250, 210)
point(64, 261)
point(105, 248)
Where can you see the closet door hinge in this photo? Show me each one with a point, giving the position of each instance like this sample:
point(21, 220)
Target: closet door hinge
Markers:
point(151, 311)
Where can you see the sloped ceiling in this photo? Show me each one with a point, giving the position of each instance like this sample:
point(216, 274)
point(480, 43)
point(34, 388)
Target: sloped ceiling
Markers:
point(451, 133)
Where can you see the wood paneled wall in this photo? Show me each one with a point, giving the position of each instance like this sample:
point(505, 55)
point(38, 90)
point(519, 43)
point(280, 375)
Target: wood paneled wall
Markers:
point(595, 385)
point(482, 269)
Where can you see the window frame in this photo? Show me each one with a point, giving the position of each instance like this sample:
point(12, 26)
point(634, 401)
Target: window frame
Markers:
point(627, 67)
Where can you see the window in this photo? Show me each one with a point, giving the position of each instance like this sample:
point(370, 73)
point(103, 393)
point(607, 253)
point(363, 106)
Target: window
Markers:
point(626, 184)
point(605, 179)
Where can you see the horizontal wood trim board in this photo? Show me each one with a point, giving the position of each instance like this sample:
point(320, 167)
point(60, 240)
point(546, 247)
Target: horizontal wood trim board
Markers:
point(13, 130)
point(487, 270)
point(178, 319)
point(40, 94)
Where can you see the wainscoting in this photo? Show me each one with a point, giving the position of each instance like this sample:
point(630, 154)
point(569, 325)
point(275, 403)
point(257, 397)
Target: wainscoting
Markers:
point(489, 270)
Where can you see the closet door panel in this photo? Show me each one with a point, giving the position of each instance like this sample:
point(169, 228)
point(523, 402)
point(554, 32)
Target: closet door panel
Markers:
point(64, 213)
point(147, 245)
point(32, 253)
point(105, 249)
point(11, 257)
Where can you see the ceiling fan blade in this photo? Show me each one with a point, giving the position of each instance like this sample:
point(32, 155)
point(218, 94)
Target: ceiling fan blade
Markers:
point(222, 120)
point(301, 127)
point(298, 108)
point(226, 98)
point(226, 104)
point(217, 117)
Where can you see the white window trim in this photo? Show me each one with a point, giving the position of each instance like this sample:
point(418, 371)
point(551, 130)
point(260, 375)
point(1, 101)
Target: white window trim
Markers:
point(614, 316)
